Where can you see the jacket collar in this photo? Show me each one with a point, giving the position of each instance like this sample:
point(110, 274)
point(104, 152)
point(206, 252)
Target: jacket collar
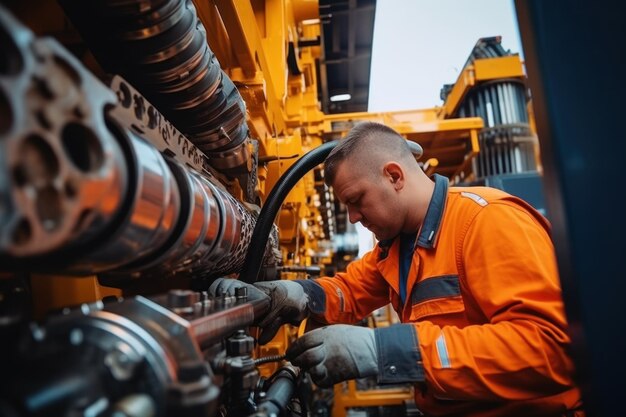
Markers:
point(432, 221)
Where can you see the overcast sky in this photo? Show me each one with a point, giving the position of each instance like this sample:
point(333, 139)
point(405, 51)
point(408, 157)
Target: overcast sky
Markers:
point(420, 45)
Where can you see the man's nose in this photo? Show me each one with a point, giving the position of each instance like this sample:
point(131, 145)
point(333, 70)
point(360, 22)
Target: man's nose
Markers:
point(354, 216)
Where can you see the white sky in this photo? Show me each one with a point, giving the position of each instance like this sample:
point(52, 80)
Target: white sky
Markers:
point(420, 45)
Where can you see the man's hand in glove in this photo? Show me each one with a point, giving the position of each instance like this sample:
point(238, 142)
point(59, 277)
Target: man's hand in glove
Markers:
point(290, 304)
point(340, 352)
point(290, 301)
point(336, 353)
point(228, 286)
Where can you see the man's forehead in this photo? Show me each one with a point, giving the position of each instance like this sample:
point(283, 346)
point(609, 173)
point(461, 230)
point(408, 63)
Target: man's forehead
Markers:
point(347, 181)
point(346, 172)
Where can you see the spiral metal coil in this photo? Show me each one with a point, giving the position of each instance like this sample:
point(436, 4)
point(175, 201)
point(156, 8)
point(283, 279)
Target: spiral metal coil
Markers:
point(160, 47)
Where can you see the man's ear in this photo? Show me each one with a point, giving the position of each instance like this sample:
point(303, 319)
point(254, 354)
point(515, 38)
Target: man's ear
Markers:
point(394, 174)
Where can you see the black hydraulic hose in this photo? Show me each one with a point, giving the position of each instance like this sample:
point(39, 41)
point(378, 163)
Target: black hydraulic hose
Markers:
point(280, 392)
point(254, 257)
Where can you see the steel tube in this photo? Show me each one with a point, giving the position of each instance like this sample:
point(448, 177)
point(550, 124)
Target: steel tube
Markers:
point(216, 326)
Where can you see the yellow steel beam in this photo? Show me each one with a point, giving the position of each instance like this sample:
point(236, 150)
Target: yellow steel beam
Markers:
point(481, 70)
point(502, 67)
point(258, 62)
point(452, 142)
point(466, 80)
point(250, 40)
point(344, 121)
point(217, 36)
point(245, 40)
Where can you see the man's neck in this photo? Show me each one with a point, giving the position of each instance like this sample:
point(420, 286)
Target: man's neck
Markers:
point(421, 201)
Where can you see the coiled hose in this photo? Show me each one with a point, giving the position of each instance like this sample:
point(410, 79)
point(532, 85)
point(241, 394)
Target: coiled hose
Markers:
point(254, 257)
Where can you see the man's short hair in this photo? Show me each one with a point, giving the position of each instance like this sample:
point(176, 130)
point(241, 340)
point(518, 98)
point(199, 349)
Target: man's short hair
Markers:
point(368, 142)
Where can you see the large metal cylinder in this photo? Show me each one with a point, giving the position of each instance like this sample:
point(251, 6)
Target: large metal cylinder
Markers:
point(507, 143)
point(82, 192)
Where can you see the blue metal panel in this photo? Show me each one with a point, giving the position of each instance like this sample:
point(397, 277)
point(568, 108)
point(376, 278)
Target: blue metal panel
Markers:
point(574, 53)
point(528, 186)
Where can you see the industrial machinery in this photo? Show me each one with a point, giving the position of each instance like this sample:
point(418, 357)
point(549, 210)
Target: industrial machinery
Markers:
point(492, 86)
point(148, 147)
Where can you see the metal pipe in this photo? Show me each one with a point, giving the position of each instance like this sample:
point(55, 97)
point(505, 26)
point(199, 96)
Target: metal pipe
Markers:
point(147, 216)
point(280, 392)
point(509, 103)
point(501, 104)
point(214, 327)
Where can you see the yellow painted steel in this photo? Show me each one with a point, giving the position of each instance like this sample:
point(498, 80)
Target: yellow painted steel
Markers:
point(251, 43)
point(348, 396)
point(52, 292)
point(481, 70)
point(497, 68)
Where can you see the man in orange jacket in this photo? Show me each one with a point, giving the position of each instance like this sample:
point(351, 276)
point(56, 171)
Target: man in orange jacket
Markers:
point(471, 273)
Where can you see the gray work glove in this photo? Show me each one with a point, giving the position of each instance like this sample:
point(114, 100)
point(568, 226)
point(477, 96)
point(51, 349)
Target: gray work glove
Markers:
point(289, 304)
point(289, 301)
point(228, 286)
point(336, 353)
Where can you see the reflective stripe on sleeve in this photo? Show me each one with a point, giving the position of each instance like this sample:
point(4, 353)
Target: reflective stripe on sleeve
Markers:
point(442, 351)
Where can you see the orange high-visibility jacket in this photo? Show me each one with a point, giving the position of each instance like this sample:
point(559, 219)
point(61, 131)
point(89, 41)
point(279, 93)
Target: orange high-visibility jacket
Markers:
point(488, 327)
